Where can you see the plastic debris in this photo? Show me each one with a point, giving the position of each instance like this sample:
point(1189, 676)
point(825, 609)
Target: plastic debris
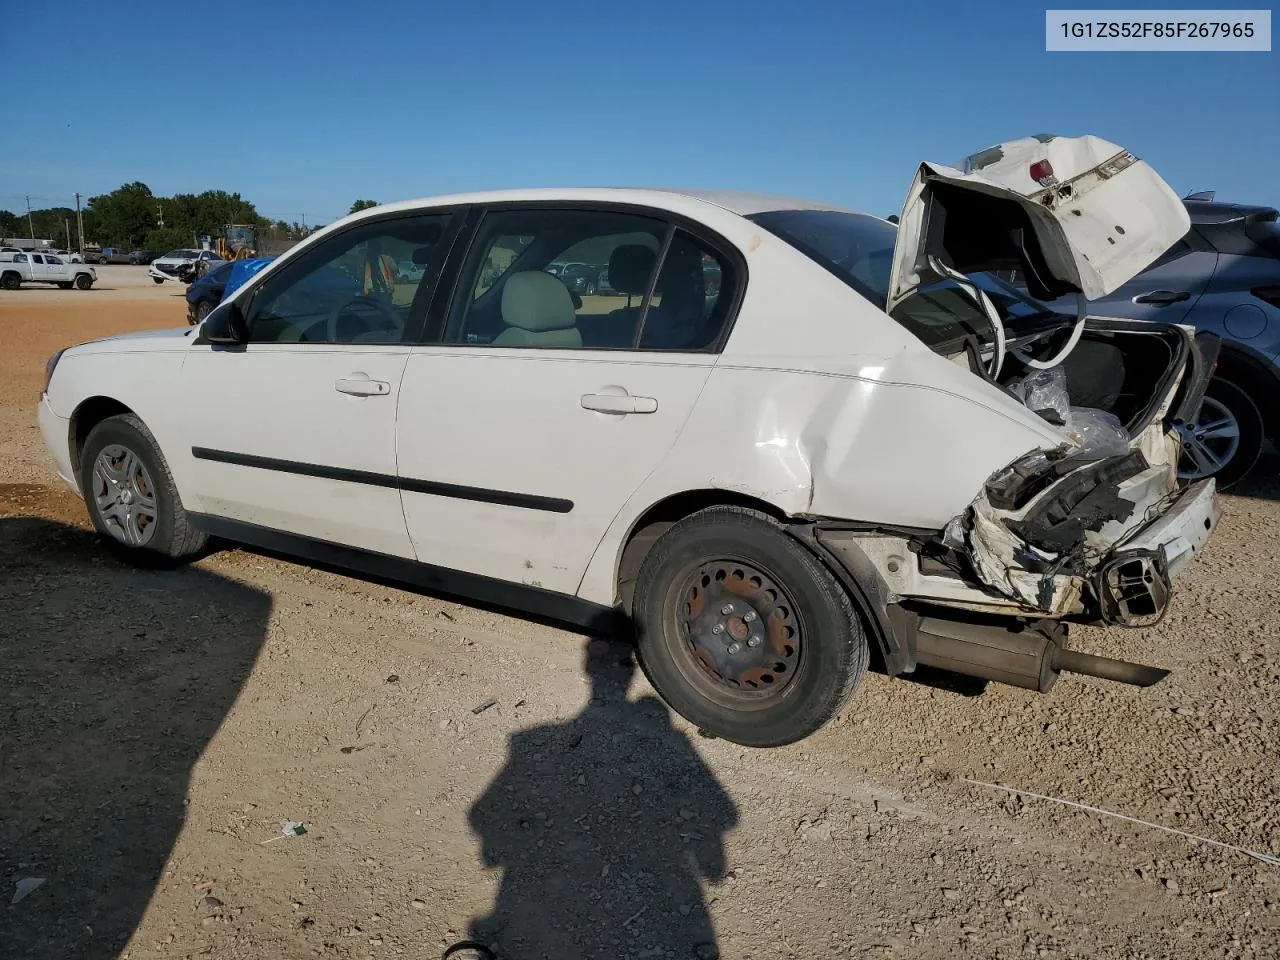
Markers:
point(291, 828)
point(1045, 391)
point(1097, 433)
point(481, 708)
point(24, 887)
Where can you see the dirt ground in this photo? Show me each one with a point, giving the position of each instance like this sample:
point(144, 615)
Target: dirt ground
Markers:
point(158, 728)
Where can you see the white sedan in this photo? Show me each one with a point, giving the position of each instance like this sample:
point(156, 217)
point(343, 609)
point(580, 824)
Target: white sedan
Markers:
point(854, 447)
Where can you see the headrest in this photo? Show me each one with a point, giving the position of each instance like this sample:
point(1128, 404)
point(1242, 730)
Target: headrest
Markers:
point(629, 268)
point(537, 302)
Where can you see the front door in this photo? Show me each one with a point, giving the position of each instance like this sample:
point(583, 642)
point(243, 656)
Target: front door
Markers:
point(295, 430)
point(524, 432)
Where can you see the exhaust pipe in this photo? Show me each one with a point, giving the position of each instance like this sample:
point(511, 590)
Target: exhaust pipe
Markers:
point(1025, 656)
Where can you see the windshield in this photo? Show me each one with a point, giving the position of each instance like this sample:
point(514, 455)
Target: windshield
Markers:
point(858, 249)
point(182, 254)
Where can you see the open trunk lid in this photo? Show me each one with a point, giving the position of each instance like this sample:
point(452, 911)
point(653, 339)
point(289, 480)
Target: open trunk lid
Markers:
point(1073, 214)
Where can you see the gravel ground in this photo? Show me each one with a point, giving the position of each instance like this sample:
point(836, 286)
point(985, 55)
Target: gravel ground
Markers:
point(158, 728)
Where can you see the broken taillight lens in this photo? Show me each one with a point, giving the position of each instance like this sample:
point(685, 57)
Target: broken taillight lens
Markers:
point(1042, 172)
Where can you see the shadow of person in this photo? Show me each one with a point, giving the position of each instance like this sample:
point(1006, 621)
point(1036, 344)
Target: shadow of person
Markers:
point(604, 827)
point(112, 682)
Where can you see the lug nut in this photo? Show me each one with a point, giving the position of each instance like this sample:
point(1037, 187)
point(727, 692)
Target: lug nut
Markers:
point(718, 629)
point(734, 647)
point(749, 616)
point(727, 609)
point(753, 641)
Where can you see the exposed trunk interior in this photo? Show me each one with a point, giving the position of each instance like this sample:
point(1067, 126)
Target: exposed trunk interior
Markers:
point(1122, 369)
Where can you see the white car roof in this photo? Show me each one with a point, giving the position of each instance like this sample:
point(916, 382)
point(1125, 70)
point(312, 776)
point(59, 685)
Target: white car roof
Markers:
point(739, 202)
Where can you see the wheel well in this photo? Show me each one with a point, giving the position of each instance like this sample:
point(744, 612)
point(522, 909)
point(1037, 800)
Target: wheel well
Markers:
point(664, 514)
point(87, 416)
point(1258, 379)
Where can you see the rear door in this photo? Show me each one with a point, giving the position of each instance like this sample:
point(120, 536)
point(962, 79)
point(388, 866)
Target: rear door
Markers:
point(522, 433)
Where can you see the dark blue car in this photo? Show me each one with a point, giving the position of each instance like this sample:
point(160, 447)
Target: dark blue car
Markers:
point(205, 293)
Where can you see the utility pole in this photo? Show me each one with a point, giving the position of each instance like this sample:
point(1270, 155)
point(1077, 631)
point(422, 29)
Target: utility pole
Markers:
point(160, 211)
point(31, 226)
point(66, 222)
point(80, 224)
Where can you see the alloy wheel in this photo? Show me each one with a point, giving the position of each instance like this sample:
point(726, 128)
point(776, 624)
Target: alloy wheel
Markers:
point(1210, 442)
point(124, 495)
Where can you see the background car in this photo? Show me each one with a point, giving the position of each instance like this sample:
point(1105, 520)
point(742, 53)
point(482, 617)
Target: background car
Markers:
point(110, 255)
point(581, 278)
point(180, 265)
point(206, 292)
point(1222, 277)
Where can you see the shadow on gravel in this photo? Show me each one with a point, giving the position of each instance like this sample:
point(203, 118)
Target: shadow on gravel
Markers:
point(604, 827)
point(1263, 481)
point(112, 682)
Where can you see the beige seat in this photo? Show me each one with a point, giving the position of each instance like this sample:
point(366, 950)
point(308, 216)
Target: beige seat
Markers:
point(538, 312)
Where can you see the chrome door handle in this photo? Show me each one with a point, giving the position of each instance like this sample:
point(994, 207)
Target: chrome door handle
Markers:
point(359, 385)
point(620, 404)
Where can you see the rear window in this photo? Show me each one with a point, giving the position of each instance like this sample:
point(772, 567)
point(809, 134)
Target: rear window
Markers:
point(858, 249)
point(855, 247)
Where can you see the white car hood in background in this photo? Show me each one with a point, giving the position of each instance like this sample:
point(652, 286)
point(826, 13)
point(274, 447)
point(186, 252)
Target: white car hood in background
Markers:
point(1075, 214)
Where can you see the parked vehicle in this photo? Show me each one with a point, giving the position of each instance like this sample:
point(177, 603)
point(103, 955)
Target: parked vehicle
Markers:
point(142, 257)
point(45, 268)
point(205, 293)
point(581, 278)
point(111, 255)
point(184, 265)
point(208, 291)
point(825, 459)
point(1223, 277)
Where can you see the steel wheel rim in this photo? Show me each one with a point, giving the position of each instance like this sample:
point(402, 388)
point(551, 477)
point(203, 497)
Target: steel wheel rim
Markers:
point(1210, 443)
point(754, 657)
point(124, 495)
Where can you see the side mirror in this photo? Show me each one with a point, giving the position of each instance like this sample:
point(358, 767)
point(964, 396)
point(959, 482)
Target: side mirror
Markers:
point(225, 325)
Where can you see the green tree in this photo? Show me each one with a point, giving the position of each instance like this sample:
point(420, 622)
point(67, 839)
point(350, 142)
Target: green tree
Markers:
point(124, 217)
point(10, 224)
point(892, 218)
point(362, 205)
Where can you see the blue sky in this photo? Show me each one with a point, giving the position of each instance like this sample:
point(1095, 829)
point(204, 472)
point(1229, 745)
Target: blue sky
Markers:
point(304, 107)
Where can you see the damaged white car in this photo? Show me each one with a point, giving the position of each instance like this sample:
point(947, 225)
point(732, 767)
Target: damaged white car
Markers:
point(855, 445)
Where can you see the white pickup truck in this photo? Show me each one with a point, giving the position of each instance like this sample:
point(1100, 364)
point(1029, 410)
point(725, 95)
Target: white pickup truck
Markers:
point(20, 268)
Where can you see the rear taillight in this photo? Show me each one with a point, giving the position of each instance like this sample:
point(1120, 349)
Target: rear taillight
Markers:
point(1042, 173)
point(1271, 294)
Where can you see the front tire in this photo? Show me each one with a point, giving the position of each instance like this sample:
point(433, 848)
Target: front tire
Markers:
point(84, 282)
point(157, 280)
point(132, 500)
point(743, 631)
point(10, 281)
point(1226, 438)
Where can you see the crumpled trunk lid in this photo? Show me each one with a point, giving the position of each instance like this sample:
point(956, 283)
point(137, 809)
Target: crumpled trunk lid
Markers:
point(1073, 214)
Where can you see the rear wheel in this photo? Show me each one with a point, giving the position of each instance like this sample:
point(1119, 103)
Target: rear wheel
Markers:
point(130, 493)
point(102, 261)
point(203, 309)
point(84, 282)
point(743, 631)
point(1226, 438)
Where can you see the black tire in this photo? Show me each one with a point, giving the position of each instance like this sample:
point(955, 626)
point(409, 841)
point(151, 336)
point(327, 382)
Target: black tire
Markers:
point(65, 284)
point(157, 280)
point(173, 537)
point(83, 281)
point(693, 567)
point(1224, 395)
point(203, 309)
point(102, 261)
point(11, 280)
